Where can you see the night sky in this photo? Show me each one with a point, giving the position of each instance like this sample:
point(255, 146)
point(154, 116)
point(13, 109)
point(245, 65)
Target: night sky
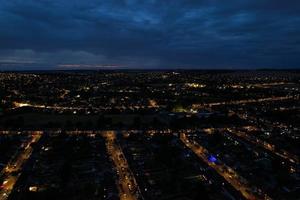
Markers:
point(147, 34)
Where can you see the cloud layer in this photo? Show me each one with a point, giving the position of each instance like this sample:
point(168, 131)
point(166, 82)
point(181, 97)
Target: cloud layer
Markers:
point(150, 34)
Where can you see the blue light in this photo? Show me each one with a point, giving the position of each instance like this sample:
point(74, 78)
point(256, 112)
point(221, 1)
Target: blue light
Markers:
point(212, 158)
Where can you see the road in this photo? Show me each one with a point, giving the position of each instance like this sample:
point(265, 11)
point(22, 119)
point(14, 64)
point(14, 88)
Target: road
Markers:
point(239, 183)
point(128, 186)
point(11, 172)
point(267, 146)
point(246, 101)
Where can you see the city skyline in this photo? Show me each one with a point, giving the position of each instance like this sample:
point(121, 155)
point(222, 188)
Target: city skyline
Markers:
point(150, 135)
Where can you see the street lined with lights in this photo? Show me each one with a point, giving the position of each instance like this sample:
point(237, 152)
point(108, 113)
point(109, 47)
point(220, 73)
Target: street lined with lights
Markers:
point(239, 183)
point(127, 184)
point(12, 172)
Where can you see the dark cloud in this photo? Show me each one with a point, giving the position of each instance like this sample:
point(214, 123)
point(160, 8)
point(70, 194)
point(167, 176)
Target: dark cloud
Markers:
point(150, 34)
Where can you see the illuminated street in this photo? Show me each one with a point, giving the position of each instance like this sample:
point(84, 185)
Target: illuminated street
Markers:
point(270, 147)
point(246, 101)
point(12, 172)
point(127, 183)
point(228, 173)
